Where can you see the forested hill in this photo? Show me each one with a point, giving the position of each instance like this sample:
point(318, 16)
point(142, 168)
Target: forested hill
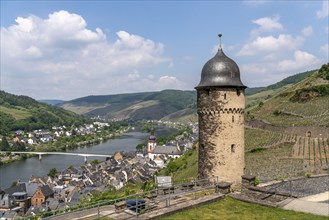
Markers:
point(25, 113)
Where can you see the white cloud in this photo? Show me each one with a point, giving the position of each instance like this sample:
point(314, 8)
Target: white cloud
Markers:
point(33, 51)
point(134, 75)
point(266, 72)
point(168, 81)
point(324, 11)
point(266, 59)
point(268, 23)
point(60, 55)
point(307, 31)
point(301, 60)
point(325, 49)
point(269, 44)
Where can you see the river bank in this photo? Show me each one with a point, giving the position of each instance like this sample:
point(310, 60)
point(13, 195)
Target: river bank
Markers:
point(67, 143)
point(23, 169)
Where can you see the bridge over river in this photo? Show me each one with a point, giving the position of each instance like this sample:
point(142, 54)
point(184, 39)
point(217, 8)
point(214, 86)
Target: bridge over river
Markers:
point(23, 169)
point(85, 155)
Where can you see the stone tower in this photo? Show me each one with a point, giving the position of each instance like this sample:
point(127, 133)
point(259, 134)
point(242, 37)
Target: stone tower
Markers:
point(220, 107)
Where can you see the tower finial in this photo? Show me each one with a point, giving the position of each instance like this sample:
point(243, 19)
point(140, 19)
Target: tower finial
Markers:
point(220, 41)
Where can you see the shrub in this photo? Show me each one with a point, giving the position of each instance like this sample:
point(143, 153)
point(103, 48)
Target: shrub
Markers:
point(258, 149)
point(308, 174)
point(277, 112)
point(307, 94)
point(281, 178)
point(324, 71)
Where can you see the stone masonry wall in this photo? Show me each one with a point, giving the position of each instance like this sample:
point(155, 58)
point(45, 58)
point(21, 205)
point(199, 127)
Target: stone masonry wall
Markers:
point(221, 133)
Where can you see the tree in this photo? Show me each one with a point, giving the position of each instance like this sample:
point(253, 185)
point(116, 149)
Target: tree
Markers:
point(95, 162)
point(18, 146)
point(324, 71)
point(14, 183)
point(139, 147)
point(4, 144)
point(52, 172)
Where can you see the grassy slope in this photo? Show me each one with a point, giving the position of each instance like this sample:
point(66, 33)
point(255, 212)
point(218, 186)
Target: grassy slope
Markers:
point(229, 208)
point(80, 109)
point(255, 96)
point(187, 167)
point(22, 112)
point(261, 96)
point(17, 113)
point(146, 105)
point(313, 112)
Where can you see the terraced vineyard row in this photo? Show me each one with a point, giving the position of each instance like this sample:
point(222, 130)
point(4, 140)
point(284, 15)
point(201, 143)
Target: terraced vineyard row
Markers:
point(313, 108)
point(257, 138)
point(280, 112)
point(314, 152)
point(274, 163)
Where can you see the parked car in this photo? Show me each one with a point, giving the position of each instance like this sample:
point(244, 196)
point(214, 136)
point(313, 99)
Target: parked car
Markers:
point(136, 205)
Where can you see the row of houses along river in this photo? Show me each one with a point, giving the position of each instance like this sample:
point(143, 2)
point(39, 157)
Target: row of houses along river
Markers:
point(22, 170)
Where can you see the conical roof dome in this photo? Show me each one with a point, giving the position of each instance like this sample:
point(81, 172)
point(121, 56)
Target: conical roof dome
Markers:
point(220, 71)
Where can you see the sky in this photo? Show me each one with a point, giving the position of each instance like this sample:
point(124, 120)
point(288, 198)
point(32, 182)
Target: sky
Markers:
point(69, 49)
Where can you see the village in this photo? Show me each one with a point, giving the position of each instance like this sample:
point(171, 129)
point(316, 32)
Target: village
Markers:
point(59, 138)
point(64, 189)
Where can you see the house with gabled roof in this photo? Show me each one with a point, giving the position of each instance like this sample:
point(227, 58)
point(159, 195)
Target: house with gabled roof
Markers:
point(7, 201)
point(41, 195)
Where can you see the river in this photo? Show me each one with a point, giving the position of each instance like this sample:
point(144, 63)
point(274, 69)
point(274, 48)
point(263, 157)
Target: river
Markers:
point(23, 169)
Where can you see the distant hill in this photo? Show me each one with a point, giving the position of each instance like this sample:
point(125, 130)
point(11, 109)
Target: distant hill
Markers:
point(253, 90)
point(145, 105)
point(173, 105)
point(51, 101)
point(302, 103)
point(25, 113)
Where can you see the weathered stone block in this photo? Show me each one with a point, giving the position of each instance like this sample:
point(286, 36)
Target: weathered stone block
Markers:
point(224, 187)
point(248, 180)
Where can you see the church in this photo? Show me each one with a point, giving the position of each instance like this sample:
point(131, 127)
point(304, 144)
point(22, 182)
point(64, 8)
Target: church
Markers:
point(154, 151)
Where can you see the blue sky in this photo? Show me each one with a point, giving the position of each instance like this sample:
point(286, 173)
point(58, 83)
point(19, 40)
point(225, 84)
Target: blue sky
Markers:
point(69, 49)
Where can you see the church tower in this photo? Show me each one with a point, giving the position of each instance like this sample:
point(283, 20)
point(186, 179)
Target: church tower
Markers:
point(151, 144)
point(220, 107)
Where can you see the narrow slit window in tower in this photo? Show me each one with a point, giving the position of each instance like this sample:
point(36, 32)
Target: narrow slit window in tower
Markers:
point(232, 148)
point(232, 118)
point(224, 96)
